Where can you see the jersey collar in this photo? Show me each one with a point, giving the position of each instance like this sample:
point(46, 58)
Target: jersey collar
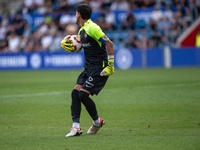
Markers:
point(87, 22)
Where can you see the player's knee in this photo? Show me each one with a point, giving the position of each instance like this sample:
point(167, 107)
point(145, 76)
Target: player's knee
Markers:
point(83, 95)
point(74, 92)
point(75, 97)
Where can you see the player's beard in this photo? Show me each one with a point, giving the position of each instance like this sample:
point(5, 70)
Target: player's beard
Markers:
point(77, 21)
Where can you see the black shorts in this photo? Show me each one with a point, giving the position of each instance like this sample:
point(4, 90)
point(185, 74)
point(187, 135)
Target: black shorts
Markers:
point(92, 81)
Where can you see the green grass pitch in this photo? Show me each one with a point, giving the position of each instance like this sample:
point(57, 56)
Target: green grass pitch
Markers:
point(144, 109)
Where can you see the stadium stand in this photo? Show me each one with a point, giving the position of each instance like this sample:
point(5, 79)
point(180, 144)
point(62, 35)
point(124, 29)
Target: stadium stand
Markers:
point(162, 26)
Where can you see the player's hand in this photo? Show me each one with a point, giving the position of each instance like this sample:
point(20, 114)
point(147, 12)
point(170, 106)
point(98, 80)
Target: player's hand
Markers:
point(66, 44)
point(109, 70)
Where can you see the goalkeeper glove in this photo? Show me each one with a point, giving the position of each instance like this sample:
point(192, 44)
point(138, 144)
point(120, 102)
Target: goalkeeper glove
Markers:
point(66, 44)
point(109, 70)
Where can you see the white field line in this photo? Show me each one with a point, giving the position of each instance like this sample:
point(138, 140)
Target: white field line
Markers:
point(68, 92)
point(34, 94)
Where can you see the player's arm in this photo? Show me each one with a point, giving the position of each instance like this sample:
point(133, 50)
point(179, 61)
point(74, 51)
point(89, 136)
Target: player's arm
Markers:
point(109, 70)
point(110, 47)
point(99, 36)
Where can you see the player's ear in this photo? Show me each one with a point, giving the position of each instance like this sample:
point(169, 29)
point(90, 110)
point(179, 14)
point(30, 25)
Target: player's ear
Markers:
point(78, 14)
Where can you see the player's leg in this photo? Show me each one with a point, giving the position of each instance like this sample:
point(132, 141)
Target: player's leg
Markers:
point(75, 112)
point(93, 85)
point(91, 108)
point(88, 103)
point(76, 106)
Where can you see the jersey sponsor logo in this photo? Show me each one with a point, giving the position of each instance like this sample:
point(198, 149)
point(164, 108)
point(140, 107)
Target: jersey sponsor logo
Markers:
point(86, 44)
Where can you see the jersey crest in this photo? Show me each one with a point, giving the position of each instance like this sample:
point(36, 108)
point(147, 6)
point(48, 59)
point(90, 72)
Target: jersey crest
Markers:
point(85, 35)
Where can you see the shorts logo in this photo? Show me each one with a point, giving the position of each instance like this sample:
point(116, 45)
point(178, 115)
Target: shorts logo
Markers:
point(88, 83)
point(85, 35)
point(88, 86)
point(90, 78)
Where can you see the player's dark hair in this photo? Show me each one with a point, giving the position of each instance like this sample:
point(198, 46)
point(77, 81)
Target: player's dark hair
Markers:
point(85, 10)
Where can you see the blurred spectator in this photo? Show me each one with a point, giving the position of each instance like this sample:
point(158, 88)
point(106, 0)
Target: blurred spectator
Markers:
point(43, 28)
point(95, 4)
point(147, 3)
point(175, 29)
point(168, 2)
point(23, 41)
point(29, 6)
point(133, 41)
point(187, 18)
point(4, 45)
point(2, 32)
point(198, 6)
point(106, 4)
point(71, 29)
point(28, 3)
point(73, 3)
point(156, 37)
point(52, 28)
point(42, 7)
point(48, 18)
point(110, 20)
point(46, 41)
point(49, 5)
point(143, 39)
point(55, 46)
point(4, 20)
point(191, 5)
point(64, 5)
point(163, 28)
point(164, 25)
point(129, 22)
point(27, 31)
point(33, 43)
point(150, 43)
point(4, 10)
point(156, 14)
point(19, 24)
point(164, 41)
point(39, 3)
point(101, 19)
point(65, 19)
point(133, 4)
point(168, 12)
point(119, 5)
point(13, 42)
point(123, 5)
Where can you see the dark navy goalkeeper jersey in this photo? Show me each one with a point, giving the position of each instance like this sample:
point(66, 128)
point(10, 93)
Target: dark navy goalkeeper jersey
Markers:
point(93, 41)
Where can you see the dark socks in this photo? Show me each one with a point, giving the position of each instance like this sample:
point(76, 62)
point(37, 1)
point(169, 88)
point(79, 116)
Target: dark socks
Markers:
point(89, 104)
point(76, 106)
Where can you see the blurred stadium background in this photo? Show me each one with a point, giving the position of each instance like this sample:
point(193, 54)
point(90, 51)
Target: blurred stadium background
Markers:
point(156, 108)
point(38, 26)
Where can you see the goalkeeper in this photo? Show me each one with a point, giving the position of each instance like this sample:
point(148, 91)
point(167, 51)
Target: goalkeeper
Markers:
point(99, 64)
